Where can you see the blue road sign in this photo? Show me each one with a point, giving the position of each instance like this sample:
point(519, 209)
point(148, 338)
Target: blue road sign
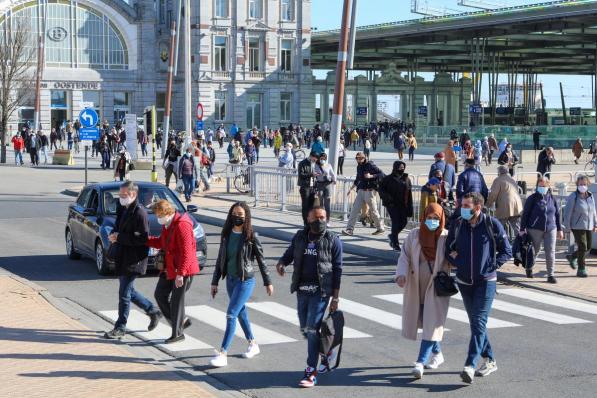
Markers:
point(199, 125)
point(89, 133)
point(361, 111)
point(422, 110)
point(88, 117)
point(475, 108)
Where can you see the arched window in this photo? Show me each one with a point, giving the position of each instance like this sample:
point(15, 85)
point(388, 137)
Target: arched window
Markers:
point(76, 36)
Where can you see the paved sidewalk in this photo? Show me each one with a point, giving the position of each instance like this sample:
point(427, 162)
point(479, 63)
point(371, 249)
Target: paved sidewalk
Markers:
point(215, 203)
point(45, 353)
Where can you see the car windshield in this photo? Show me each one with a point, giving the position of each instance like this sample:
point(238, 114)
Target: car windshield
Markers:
point(147, 197)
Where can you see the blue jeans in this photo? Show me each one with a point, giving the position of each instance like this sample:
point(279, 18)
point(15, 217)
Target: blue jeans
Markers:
point(126, 294)
point(238, 292)
point(189, 185)
point(477, 300)
point(311, 310)
point(106, 159)
point(18, 158)
point(427, 347)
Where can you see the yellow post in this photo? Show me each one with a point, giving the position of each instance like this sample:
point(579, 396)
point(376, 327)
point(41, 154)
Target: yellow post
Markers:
point(151, 128)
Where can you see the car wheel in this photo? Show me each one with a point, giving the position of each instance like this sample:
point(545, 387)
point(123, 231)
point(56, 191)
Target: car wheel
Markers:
point(70, 247)
point(100, 259)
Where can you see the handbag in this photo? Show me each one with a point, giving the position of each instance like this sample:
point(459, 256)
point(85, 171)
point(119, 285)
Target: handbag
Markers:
point(444, 284)
point(112, 252)
point(160, 258)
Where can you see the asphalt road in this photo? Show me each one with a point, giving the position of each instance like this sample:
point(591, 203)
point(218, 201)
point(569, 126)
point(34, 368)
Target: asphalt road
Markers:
point(536, 358)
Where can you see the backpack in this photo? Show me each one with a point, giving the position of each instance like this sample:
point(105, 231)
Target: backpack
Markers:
point(331, 332)
point(490, 230)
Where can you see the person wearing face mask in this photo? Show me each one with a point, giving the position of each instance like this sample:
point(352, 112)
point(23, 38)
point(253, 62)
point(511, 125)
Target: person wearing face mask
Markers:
point(317, 146)
point(541, 220)
point(130, 234)
point(305, 183)
point(580, 217)
point(368, 174)
point(545, 160)
point(171, 158)
point(395, 191)
point(423, 257)
point(316, 253)
point(430, 193)
point(509, 159)
point(477, 246)
point(187, 171)
point(324, 179)
point(177, 241)
point(240, 247)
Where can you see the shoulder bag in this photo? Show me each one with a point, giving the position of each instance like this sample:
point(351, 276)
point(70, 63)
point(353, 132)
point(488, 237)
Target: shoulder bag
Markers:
point(160, 258)
point(444, 284)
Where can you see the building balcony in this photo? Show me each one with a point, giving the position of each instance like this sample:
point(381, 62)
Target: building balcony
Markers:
point(220, 75)
point(256, 75)
point(286, 76)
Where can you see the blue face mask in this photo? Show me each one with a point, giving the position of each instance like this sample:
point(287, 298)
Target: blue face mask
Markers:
point(432, 225)
point(467, 214)
point(542, 190)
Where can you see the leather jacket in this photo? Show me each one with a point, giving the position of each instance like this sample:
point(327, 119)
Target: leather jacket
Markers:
point(250, 251)
point(305, 173)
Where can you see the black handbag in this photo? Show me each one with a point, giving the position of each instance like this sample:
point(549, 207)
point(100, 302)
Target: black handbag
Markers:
point(445, 284)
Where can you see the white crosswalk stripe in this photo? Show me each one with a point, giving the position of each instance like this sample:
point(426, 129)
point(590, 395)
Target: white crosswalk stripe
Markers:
point(453, 313)
point(371, 313)
point(137, 322)
point(289, 315)
point(217, 319)
point(555, 301)
point(530, 312)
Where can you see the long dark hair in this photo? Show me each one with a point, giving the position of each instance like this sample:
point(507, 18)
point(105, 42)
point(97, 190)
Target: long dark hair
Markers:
point(247, 226)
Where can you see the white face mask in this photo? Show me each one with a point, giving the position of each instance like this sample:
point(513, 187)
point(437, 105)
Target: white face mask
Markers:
point(126, 201)
point(164, 220)
point(582, 188)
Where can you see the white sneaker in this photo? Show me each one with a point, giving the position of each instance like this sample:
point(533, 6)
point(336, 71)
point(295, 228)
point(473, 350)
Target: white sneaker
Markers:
point(251, 351)
point(220, 360)
point(418, 370)
point(435, 361)
point(468, 374)
point(487, 368)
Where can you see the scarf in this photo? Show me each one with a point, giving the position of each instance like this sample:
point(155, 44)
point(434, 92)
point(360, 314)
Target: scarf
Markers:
point(427, 238)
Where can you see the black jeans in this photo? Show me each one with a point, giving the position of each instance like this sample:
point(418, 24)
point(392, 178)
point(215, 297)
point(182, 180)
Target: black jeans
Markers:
point(170, 299)
point(399, 221)
point(583, 239)
point(341, 165)
point(306, 202)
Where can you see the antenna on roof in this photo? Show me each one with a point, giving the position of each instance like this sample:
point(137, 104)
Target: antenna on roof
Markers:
point(481, 4)
point(422, 7)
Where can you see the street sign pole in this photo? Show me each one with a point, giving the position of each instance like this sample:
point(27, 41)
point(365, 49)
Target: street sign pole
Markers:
point(86, 149)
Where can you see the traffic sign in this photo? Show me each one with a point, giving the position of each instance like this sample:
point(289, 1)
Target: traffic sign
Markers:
point(361, 111)
point(422, 110)
point(575, 111)
point(475, 108)
point(199, 125)
point(88, 117)
point(89, 133)
point(199, 111)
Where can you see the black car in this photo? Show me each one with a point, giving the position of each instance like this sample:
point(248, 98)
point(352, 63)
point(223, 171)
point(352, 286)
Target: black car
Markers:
point(91, 219)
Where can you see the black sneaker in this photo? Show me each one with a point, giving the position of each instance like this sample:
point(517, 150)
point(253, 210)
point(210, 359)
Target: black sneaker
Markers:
point(174, 339)
point(529, 272)
point(552, 279)
point(114, 334)
point(347, 232)
point(187, 322)
point(155, 319)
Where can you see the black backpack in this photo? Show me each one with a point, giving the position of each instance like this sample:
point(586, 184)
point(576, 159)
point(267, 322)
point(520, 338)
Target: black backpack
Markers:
point(331, 332)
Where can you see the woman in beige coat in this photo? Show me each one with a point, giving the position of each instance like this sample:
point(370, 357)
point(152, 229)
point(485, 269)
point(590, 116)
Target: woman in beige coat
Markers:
point(421, 259)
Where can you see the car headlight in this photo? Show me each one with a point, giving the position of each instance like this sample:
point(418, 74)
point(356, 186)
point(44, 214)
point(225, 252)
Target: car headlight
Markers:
point(153, 251)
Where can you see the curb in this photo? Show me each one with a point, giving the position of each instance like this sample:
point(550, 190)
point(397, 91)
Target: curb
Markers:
point(506, 279)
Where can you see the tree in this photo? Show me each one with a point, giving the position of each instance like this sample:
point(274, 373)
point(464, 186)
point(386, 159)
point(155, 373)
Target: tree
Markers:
point(17, 57)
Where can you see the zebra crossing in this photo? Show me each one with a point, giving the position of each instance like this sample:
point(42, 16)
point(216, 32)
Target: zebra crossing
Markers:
point(275, 323)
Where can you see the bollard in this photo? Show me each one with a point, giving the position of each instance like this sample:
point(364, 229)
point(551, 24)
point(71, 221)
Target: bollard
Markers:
point(283, 208)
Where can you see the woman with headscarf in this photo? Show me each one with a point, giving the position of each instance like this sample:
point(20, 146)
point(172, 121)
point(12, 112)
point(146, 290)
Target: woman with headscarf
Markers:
point(421, 259)
point(396, 195)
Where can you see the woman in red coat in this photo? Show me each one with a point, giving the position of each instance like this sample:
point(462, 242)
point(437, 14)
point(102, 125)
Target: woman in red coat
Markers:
point(178, 243)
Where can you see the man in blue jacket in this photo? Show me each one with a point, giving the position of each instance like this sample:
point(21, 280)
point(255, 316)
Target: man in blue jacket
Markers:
point(477, 246)
point(440, 164)
point(470, 180)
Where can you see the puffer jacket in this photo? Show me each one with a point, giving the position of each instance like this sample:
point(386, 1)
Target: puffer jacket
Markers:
point(470, 180)
point(180, 249)
point(251, 251)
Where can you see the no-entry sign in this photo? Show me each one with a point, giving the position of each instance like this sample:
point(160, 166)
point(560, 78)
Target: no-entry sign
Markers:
point(199, 111)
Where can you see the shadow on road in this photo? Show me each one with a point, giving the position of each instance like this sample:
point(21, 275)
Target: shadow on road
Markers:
point(51, 268)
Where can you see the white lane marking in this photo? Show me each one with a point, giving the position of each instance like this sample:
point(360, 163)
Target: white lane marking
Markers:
point(288, 314)
point(371, 313)
point(529, 312)
point(548, 299)
point(137, 322)
point(217, 319)
point(453, 313)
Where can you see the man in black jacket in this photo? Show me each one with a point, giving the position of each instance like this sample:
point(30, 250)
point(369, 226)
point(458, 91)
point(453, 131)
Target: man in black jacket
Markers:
point(305, 183)
point(396, 195)
point(130, 234)
point(366, 184)
point(545, 160)
point(317, 257)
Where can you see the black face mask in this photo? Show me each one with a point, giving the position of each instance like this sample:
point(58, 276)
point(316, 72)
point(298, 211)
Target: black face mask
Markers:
point(237, 221)
point(318, 226)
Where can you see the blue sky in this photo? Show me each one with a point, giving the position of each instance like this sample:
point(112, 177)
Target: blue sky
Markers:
point(326, 14)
